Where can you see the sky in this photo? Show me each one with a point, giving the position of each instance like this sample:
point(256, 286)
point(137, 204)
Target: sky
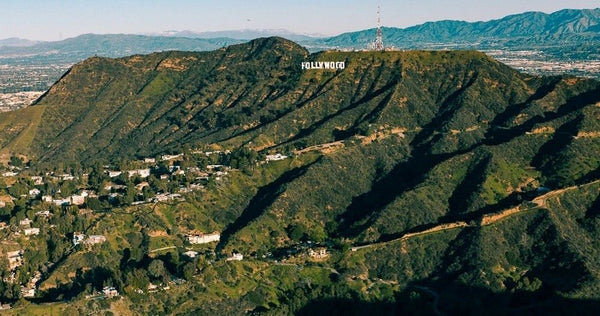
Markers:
point(52, 20)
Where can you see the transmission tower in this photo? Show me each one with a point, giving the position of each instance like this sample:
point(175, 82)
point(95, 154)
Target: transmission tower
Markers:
point(378, 45)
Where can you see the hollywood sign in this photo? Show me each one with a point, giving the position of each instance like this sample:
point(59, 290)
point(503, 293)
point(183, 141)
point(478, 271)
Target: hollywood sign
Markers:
point(323, 65)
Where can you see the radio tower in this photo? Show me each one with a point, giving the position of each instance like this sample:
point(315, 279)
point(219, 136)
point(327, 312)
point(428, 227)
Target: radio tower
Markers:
point(378, 45)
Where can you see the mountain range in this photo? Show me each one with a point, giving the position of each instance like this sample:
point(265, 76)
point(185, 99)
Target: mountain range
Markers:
point(528, 29)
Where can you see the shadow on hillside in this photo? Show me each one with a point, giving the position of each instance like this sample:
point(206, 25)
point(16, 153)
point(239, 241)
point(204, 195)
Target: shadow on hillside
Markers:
point(512, 111)
point(498, 135)
point(83, 281)
point(455, 299)
point(405, 176)
point(547, 157)
point(261, 201)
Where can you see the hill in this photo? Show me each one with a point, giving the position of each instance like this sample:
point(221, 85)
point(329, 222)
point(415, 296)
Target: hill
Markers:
point(427, 176)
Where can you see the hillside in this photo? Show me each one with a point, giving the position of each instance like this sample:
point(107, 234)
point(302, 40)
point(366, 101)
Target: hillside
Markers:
point(428, 176)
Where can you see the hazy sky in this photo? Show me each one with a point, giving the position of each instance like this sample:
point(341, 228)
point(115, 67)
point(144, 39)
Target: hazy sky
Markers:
point(60, 19)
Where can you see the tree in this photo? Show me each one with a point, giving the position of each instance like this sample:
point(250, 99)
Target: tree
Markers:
point(189, 269)
point(156, 269)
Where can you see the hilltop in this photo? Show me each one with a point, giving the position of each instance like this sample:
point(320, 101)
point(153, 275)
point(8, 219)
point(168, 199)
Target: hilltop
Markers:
point(409, 175)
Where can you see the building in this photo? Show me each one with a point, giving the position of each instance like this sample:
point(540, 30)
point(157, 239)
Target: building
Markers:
point(9, 174)
point(77, 199)
point(113, 174)
point(34, 193)
point(31, 231)
point(37, 180)
point(275, 157)
point(27, 291)
point(236, 257)
point(95, 239)
point(110, 291)
point(203, 238)
point(15, 259)
point(45, 213)
point(170, 157)
point(143, 173)
point(318, 253)
point(47, 198)
point(78, 238)
point(149, 160)
point(66, 177)
point(191, 254)
point(25, 222)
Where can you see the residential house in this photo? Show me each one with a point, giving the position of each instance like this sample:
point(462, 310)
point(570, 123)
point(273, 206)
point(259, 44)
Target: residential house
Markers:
point(31, 231)
point(143, 173)
point(15, 259)
point(275, 157)
point(318, 253)
point(37, 180)
point(170, 157)
point(95, 239)
point(27, 291)
point(47, 198)
point(9, 174)
point(66, 177)
point(77, 199)
point(191, 254)
point(203, 238)
point(113, 174)
point(45, 213)
point(236, 257)
point(149, 160)
point(110, 291)
point(34, 193)
point(78, 238)
point(25, 222)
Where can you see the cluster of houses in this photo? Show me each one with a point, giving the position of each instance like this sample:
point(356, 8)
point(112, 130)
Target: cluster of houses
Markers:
point(15, 258)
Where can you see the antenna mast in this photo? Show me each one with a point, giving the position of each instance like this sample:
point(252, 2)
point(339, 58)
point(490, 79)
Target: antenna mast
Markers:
point(379, 39)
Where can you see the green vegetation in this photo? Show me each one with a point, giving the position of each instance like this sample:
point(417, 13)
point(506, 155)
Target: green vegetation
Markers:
point(471, 186)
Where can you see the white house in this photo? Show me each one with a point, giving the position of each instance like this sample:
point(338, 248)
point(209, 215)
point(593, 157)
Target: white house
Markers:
point(143, 173)
point(191, 254)
point(34, 192)
point(15, 259)
point(95, 239)
point(113, 174)
point(275, 157)
point(25, 222)
point(203, 238)
point(149, 160)
point(27, 291)
point(110, 291)
point(170, 157)
point(31, 231)
point(77, 239)
point(9, 174)
point(37, 180)
point(77, 199)
point(47, 198)
point(236, 257)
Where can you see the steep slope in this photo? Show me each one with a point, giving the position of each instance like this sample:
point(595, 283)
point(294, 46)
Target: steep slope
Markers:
point(445, 171)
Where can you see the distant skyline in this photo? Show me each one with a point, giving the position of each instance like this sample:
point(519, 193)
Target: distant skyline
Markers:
point(52, 20)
